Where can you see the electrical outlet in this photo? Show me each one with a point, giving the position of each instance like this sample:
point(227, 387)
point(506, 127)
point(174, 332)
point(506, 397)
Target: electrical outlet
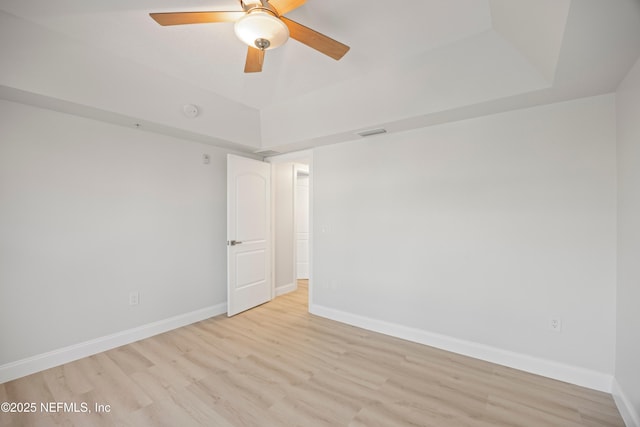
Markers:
point(134, 298)
point(555, 324)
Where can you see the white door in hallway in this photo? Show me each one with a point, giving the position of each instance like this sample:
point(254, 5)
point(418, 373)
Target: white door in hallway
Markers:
point(248, 233)
point(302, 226)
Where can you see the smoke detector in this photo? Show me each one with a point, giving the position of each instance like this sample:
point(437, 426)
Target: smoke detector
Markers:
point(190, 110)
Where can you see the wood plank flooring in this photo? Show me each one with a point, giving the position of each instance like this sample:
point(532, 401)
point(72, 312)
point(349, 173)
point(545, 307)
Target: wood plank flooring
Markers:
point(277, 365)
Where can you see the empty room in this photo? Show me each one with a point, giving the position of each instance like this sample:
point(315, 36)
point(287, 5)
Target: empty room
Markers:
point(320, 213)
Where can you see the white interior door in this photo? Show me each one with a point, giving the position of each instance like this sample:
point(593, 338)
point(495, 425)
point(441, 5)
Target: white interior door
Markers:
point(302, 226)
point(248, 233)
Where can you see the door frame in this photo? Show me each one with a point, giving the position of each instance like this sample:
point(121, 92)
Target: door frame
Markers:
point(305, 156)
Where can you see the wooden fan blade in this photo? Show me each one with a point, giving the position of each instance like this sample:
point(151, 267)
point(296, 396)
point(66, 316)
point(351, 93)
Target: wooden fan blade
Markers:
point(315, 40)
point(286, 6)
point(255, 59)
point(181, 18)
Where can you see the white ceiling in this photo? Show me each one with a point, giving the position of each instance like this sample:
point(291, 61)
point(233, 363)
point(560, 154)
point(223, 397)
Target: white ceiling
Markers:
point(411, 64)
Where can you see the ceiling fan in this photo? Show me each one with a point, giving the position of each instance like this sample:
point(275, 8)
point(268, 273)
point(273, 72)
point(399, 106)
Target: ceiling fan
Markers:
point(261, 25)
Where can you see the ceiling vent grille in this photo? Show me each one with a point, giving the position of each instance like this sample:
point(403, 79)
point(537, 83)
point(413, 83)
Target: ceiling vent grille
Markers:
point(267, 153)
point(371, 132)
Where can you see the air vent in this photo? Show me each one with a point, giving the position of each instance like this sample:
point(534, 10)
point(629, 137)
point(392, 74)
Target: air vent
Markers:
point(267, 153)
point(371, 132)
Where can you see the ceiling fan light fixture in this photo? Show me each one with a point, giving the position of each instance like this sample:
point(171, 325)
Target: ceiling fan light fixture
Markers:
point(261, 30)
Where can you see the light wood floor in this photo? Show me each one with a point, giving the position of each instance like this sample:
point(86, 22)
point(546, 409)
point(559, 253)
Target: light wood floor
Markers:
point(277, 365)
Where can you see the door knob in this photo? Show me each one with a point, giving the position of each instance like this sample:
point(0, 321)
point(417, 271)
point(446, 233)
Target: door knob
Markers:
point(234, 242)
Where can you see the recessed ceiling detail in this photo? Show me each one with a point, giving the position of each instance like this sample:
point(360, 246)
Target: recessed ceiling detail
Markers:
point(535, 28)
point(442, 60)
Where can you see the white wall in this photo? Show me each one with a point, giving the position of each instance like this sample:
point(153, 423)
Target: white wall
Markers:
point(472, 235)
point(90, 212)
point(628, 296)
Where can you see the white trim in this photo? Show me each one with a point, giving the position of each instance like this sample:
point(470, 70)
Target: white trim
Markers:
point(629, 415)
point(294, 222)
point(40, 362)
point(285, 289)
point(559, 371)
point(274, 174)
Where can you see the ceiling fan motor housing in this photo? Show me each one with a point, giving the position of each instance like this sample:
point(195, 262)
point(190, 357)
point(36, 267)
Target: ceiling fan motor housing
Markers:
point(247, 5)
point(261, 26)
point(262, 29)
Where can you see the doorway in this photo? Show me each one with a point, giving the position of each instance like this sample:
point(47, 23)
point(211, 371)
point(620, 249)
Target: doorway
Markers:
point(292, 222)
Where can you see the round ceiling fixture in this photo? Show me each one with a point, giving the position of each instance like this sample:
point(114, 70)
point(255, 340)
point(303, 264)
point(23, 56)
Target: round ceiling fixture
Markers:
point(190, 110)
point(260, 29)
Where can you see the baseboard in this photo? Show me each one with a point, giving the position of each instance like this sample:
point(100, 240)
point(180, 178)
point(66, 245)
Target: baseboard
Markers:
point(281, 290)
point(40, 362)
point(559, 371)
point(630, 416)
